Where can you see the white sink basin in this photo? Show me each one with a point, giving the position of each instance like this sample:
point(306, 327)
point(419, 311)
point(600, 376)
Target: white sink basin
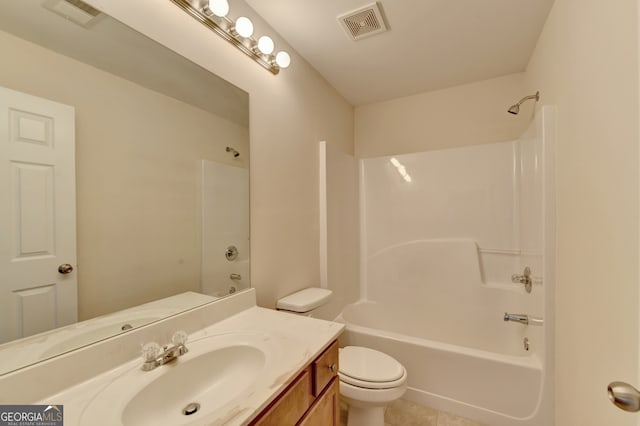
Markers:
point(215, 372)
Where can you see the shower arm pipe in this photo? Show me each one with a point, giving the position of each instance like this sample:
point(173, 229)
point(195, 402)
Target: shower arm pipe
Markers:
point(515, 108)
point(526, 98)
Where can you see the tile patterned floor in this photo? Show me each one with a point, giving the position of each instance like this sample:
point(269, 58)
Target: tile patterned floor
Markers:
point(406, 413)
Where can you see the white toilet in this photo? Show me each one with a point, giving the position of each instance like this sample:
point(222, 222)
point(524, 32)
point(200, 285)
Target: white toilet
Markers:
point(369, 379)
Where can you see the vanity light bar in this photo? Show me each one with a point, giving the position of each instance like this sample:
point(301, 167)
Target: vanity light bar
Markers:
point(239, 33)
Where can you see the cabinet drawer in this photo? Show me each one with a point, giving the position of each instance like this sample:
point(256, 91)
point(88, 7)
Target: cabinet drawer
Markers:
point(325, 368)
point(291, 405)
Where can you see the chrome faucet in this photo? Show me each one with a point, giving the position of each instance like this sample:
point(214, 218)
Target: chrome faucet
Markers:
point(155, 356)
point(523, 319)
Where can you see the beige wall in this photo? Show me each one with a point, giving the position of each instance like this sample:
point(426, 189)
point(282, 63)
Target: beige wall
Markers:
point(470, 114)
point(290, 114)
point(137, 171)
point(586, 63)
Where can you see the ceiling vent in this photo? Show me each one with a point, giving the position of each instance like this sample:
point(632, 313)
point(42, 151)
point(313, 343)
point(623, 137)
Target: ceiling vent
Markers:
point(363, 22)
point(75, 11)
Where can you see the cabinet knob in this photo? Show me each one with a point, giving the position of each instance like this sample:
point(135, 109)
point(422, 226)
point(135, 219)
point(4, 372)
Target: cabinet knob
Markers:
point(333, 368)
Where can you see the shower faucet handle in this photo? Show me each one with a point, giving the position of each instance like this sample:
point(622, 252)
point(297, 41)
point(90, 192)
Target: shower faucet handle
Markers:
point(525, 279)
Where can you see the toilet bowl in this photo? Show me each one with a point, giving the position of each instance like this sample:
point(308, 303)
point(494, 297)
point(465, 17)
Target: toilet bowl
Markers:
point(369, 381)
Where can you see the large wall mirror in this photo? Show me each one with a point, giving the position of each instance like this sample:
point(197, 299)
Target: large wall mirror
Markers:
point(161, 181)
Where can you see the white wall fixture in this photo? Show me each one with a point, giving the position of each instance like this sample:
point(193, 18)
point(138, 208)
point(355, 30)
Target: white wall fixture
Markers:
point(214, 15)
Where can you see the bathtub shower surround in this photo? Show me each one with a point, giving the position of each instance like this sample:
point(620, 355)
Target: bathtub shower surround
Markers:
point(484, 193)
point(225, 227)
point(442, 234)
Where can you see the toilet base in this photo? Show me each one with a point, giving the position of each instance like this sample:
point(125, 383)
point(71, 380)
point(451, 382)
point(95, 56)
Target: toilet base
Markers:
point(365, 416)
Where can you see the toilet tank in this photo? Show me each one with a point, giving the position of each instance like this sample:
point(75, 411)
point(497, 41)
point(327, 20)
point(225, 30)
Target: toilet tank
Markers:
point(304, 302)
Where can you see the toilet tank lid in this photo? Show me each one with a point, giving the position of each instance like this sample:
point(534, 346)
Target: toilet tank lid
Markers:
point(304, 300)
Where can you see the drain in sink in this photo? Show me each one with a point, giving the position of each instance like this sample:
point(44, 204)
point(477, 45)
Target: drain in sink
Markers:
point(191, 409)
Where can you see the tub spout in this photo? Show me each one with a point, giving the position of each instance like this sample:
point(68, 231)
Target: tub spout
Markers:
point(523, 319)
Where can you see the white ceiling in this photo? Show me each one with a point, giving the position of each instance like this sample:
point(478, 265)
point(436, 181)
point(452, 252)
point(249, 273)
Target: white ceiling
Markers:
point(432, 44)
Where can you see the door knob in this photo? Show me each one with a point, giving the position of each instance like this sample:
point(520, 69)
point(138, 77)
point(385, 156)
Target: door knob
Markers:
point(65, 268)
point(624, 396)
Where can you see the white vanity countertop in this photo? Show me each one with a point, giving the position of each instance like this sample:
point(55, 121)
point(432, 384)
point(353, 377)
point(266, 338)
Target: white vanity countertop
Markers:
point(293, 342)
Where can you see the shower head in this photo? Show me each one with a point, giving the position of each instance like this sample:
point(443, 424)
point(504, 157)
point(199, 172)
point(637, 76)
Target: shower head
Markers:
point(235, 153)
point(515, 109)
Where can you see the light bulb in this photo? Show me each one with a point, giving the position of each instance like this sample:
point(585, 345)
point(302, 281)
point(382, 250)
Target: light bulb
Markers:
point(244, 26)
point(283, 59)
point(265, 45)
point(219, 7)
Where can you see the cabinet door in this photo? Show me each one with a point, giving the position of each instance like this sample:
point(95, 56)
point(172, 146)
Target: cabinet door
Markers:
point(326, 410)
point(290, 405)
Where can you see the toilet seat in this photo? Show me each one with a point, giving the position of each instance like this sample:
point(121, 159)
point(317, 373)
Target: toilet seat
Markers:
point(370, 369)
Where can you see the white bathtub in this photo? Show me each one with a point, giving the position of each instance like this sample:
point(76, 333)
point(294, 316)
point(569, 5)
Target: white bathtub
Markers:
point(494, 388)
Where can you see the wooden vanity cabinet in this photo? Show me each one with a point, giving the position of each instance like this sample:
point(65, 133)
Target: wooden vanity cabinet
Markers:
point(312, 399)
point(326, 410)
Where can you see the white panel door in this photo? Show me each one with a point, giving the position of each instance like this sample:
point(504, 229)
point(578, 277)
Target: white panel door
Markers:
point(37, 215)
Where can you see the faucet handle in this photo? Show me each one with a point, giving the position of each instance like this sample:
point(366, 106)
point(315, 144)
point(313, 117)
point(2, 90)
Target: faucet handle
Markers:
point(525, 279)
point(150, 351)
point(179, 337)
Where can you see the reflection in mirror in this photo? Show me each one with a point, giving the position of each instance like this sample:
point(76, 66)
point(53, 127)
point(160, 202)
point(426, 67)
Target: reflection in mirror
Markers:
point(161, 179)
point(48, 344)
